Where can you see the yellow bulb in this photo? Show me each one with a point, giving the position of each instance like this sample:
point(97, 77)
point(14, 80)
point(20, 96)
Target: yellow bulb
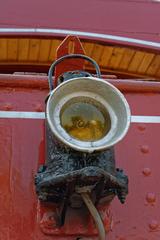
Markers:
point(85, 121)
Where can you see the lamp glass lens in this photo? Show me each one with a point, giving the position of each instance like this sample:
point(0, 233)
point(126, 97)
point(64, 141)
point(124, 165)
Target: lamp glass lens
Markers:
point(85, 120)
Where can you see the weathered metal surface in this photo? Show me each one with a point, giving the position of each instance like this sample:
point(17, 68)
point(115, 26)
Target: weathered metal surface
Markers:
point(22, 148)
point(67, 174)
point(66, 169)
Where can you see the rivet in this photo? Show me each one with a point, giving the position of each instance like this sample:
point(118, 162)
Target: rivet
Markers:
point(153, 225)
point(151, 197)
point(48, 220)
point(134, 227)
point(38, 107)
point(142, 127)
point(7, 107)
point(51, 218)
point(144, 149)
point(146, 171)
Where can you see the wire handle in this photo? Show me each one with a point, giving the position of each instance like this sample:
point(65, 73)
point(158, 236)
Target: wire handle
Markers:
point(54, 64)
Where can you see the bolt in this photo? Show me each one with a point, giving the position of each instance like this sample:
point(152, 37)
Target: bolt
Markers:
point(51, 218)
point(121, 238)
point(146, 171)
point(48, 220)
point(122, 196)
point(38, 107)
point(144, 149)
point(153, 225)
point(151, 198)
point(7, 107)
point(142, 127)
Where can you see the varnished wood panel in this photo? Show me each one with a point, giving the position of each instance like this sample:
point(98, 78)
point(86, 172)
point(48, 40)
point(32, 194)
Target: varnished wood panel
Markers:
point(54, 46)
point(23, 50)
point(111, 59)
point(158, 74)
point(12, 49)
point(3, 49)
point(148, 57)
point(45, 46)
point(34, 46)
point(154, 66)
point(136, 61)
point(88, 47)
point(106, 55)
point(116, 57)
point(126, 59)
point(97, 52)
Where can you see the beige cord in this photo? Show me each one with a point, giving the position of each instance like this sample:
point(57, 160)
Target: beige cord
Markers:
point(93, 211)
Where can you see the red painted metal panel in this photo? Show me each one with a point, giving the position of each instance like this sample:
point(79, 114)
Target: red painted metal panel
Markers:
point(29, 98)
point(18, 164)
point(22, 147)
point(130, 18)
point(139, 218)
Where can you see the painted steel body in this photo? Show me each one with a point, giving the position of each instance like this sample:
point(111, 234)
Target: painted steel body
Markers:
point(20, 212)
point(101, 17)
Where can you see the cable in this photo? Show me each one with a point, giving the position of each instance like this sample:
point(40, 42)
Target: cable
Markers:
point(93, 211)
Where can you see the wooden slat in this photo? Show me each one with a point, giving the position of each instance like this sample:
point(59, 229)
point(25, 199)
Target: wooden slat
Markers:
point(97, 52)
point(110, 58)
point(88, 47)
point(23, 50)
point(34, 46)
point(105, 57)
point(44, 52)
point(12, 49)
point(116, 57)
point(158, 73)
point(154, 66)
point(145, 62)
point(3, 49)
point(54, 46)
point(126, 59)
point(136, 61)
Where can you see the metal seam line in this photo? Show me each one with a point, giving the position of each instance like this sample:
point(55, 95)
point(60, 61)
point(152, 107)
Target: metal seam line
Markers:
point(80, 33)
point(41, 115)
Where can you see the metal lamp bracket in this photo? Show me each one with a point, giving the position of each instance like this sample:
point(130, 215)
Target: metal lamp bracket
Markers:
point(70, 45)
